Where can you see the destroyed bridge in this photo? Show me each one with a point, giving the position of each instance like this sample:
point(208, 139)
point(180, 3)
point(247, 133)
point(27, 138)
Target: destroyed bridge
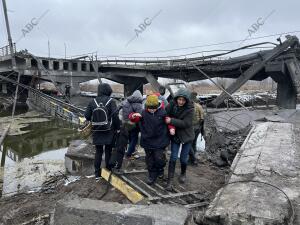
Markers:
point(280, 63)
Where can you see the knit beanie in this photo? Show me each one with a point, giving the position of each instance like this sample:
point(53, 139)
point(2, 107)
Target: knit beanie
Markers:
point(152, 102)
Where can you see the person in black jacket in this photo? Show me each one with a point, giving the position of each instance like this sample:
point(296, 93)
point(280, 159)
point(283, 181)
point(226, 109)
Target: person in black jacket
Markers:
point(180, 114)
point(104, 139)
point(154, 136)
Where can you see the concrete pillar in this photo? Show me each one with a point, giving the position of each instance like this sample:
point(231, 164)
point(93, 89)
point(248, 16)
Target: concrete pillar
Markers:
point(50, 64)
point(130, 88)
point(286, 95)
point(28, 63)
point(61, 66)
point(4, 88)
point(79, 66)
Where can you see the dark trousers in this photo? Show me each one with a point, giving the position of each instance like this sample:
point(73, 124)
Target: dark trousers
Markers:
point(194, 146)
point(155, 160)
point(133, 139)
point(118, 152)
point(98, 157)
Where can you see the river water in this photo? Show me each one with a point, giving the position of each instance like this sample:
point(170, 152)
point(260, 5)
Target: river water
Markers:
point(43, 138)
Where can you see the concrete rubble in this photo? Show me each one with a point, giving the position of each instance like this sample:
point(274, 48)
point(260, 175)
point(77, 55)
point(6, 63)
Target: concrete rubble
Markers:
point(79, 159)
point(264, 187)
point(90, 212)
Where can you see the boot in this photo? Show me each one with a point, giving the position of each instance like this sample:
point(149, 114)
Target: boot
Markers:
point(151, 178)
point(161, 174)
point(171, 172)
point(182, 176)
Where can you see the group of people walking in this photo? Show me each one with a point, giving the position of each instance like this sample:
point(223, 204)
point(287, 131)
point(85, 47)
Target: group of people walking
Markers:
point(160, 124)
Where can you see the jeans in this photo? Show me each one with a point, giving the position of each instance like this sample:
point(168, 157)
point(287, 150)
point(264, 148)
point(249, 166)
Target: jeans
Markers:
point(98, 157)
point(133, 139)
point(184, 155)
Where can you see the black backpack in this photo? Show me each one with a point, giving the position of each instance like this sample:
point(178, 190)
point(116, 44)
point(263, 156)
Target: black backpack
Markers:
point(100, 119)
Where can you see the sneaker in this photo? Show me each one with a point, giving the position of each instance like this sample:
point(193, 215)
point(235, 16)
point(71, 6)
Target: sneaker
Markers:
point(97, 178)
point(182, 178)
point(136, 156)
point(194, 163)
point(161, 177)
point(150, 181)
point(118, 171)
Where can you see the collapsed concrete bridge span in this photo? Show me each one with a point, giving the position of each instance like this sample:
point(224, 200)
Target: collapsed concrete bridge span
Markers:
point(280, 63)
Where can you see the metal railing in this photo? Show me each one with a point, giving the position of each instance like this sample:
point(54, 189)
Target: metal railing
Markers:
point(5, 51)
point(55, 108)
point(51, 105)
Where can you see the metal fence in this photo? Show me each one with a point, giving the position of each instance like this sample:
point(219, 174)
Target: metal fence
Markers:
point(55, 109)
point(5, 51)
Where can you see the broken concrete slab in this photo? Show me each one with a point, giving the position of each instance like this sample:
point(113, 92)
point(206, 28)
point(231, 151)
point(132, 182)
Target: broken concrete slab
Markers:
point(265, 181)
point(79, 159)
point(90, 212)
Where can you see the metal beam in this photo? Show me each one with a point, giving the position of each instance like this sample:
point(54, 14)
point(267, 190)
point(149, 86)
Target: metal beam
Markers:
point(175, 195)
point(255, 68)
point(144, 192)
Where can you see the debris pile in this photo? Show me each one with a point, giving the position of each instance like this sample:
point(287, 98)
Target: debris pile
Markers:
point(222, 144)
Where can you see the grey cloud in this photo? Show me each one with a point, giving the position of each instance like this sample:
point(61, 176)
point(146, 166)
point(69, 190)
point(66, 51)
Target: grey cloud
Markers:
point(107, 26)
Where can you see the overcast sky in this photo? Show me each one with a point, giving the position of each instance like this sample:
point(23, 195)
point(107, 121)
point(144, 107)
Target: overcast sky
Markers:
point(107, 26)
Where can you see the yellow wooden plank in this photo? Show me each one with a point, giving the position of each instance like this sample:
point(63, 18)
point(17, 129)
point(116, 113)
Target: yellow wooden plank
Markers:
point(122, 186)
point(66, 110)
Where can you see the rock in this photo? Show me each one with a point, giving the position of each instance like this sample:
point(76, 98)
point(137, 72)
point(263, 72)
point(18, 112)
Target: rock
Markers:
point(79, 159)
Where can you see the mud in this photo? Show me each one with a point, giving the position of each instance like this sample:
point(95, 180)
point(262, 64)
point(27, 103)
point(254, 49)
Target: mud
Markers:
point(25, 207)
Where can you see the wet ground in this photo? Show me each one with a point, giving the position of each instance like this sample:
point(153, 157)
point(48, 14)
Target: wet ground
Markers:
point(48, 140)
point(24, 207)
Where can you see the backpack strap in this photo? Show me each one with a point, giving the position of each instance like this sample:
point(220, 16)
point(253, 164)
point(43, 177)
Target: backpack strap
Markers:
point(108, 101)
point(96, 102)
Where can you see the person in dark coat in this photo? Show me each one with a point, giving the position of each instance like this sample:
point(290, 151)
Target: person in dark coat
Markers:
point(67, 91)
point(198, 122)
point(132, 104)
point(154, 136)
point(103, 140)
point(180, 114)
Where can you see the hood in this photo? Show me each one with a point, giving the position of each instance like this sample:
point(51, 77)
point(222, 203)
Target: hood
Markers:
point(136, 97)
point(104, 89)
point(183, 92)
